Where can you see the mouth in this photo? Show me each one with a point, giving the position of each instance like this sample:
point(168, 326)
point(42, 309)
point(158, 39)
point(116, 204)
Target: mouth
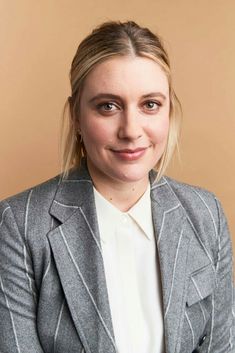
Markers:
point(127, 154)
point(128, 150)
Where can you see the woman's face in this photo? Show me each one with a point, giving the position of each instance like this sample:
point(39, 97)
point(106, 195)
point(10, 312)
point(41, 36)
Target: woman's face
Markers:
point(124, 118)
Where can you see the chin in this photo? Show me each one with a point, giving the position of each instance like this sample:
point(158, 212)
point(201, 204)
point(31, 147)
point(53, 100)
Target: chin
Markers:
point(132, 176)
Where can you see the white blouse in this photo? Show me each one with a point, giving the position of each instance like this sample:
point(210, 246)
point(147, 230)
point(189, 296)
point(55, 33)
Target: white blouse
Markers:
point(132, 275)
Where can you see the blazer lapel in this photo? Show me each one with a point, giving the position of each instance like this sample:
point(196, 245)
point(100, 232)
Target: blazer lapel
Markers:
point(77, 252)
point(173, 242)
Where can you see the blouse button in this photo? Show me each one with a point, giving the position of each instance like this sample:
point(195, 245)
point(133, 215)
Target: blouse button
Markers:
point(125, 219)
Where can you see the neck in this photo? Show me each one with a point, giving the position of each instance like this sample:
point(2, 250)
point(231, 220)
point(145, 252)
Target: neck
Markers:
point(122, 195)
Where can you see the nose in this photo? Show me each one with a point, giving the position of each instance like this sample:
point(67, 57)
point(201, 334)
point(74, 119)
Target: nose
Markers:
point(130, 125)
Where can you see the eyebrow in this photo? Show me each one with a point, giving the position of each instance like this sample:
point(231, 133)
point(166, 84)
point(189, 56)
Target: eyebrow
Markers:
point(115, 96)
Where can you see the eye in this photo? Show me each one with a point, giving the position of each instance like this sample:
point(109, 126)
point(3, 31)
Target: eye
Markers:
point(106, 107)
point(152, 105)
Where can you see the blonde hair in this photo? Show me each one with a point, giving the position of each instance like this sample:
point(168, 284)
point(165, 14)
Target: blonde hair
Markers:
point(111, 39)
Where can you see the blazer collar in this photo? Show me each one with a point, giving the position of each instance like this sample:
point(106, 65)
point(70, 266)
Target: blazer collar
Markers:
point(77, 251)
point(74, 192)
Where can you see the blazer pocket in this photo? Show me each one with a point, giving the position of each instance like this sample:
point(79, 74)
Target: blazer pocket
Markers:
point(202, 283)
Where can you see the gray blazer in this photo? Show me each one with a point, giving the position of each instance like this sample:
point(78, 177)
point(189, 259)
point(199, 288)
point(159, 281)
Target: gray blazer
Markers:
point(53, 293)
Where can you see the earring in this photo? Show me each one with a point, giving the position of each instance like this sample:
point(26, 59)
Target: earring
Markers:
point(80, 136)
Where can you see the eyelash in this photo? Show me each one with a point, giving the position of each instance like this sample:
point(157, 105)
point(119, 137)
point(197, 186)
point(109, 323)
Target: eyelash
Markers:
point(102, 105)
point(159, 104)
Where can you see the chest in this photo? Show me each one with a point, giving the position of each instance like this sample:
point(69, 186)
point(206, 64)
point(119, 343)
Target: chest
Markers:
point(66, 309)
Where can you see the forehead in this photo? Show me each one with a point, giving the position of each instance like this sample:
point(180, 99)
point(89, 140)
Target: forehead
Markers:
point(126, 75)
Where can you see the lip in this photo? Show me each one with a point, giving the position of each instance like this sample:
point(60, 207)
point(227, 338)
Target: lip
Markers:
point(129, 150)
point(127, 154)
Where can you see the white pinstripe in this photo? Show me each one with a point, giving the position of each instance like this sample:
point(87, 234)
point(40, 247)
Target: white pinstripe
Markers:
point(11, 316)
point(195, 284)
point(27, 274)
point(163, 221)
point(49, 263)
point(200, 295)
point(233, 313)
point(199, 239)
point(88, 291)
point(92, 233)
point(58, 325)
point(24, 248)
point(62, 204)
point(212, 321)
point(172, 283)
point(231, 337)
point(47, 270)
point(212, 218)
point(233, 317)
point(219, 248)
point(203, 312)
point(3, 214)
point(218, 260)
point(26, 215)
point(190, 327)
point(157, 185)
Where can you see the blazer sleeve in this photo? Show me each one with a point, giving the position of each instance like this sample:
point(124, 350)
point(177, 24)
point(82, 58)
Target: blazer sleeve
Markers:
point(18, 298)
point(222, 320)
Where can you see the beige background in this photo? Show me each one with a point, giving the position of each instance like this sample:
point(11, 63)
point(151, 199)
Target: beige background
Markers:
point(37, 42)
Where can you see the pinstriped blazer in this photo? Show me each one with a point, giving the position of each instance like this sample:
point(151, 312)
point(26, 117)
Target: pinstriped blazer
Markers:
point(53, 293)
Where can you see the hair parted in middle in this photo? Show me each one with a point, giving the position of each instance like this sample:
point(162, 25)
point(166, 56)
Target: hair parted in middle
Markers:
point(110, 39)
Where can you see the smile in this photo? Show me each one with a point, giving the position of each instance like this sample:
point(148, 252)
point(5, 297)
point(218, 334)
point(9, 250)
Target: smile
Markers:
point(129, 154)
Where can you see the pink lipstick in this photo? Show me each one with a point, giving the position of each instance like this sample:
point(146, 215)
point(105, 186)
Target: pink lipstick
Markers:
point(129, 154)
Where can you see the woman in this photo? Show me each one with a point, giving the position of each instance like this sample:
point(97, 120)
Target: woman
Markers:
point(111, 256)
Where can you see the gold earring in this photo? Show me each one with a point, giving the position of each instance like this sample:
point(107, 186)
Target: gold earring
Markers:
point(80, 136)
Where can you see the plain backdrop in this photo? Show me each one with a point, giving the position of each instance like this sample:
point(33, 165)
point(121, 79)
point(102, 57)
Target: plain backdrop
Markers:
point(38, 40)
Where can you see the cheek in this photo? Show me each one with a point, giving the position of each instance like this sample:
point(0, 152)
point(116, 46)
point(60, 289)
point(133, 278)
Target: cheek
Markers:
point(98, 133)
point(159, 131)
